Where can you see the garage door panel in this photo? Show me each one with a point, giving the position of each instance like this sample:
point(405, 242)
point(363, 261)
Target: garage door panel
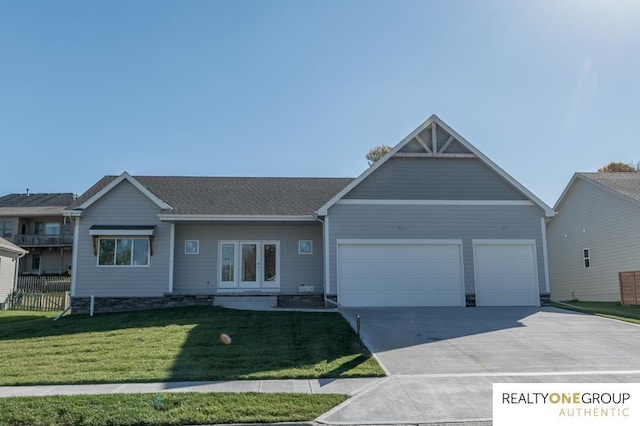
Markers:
point(399, 275)
point(506, 275)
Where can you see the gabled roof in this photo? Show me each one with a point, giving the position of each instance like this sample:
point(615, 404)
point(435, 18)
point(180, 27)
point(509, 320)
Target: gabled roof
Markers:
point(227, 196)
point(38, 204)
point(623, 184)
point(463, 148)
point(10, 247)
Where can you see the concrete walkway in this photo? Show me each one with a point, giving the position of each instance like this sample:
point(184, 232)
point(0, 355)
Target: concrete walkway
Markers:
point(349, 387)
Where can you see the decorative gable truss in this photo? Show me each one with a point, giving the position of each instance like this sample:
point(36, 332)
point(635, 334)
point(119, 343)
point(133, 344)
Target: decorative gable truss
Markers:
point(434, 141)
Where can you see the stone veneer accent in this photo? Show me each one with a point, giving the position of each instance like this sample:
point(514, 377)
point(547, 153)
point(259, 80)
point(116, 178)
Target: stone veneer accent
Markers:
point(81, 305)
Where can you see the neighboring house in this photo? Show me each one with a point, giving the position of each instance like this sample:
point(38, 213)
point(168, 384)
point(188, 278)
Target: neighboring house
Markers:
point(595, 235)
point(35, 223)
point(433, 223)
point(10, 255)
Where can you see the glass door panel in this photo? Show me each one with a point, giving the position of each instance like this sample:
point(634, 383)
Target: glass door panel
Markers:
point(270, 265)
point(249, 265)
point(228, 266)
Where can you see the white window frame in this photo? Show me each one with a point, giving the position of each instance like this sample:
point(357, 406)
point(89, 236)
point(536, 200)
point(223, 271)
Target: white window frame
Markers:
point(586, 258)
point(303, 244)
point(193, 243)
point(123, 237)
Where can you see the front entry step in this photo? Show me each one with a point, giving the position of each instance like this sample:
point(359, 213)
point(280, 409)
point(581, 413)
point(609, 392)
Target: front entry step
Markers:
point(246, 302)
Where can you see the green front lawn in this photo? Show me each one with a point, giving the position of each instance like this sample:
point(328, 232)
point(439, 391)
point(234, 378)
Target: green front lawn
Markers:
point(178, 344)
point(607, 309)
point(164, 409)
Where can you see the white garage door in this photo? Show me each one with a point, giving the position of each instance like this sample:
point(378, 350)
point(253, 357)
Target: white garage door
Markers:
point(400, 275)
point(506, 274)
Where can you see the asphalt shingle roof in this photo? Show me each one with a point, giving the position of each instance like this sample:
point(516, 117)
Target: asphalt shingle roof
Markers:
point(626, 183)
point(37, 200)
point(235, 195)
point(38, 204)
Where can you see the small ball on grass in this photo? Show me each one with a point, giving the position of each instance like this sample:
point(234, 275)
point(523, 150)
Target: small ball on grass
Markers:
point(225, 339)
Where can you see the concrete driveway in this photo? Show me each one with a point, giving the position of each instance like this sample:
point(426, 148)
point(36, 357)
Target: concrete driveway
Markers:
point(442, 362)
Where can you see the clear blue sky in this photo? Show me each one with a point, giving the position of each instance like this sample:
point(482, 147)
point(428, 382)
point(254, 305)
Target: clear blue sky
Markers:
point(305, 88)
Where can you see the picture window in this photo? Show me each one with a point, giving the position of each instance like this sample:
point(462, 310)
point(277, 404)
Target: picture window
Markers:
point(192, 246)
point(123, 252)
point(305, 247)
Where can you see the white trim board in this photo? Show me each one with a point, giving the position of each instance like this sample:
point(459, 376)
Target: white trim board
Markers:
point(382, 241)
point(235, 218)
point(545, 253)
point(354, 201)
point(503, 242)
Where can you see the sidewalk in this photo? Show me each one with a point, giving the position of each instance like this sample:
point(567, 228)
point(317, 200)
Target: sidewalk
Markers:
point(311, 386)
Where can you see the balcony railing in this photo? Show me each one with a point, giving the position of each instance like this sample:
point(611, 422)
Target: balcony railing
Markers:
point(27, 240)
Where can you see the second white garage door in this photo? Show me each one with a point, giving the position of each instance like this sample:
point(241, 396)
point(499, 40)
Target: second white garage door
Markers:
point(506, 274)
point(400, 274)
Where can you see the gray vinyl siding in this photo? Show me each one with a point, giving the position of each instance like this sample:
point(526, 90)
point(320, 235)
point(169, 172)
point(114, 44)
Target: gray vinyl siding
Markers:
point(198, 273)
point(607, 224)
point(464, 223)
point(123, 205)
point(7, 273)
point(434, 179)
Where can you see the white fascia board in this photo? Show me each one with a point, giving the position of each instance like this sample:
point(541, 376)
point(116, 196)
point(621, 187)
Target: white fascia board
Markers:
point(13, 249)
point(322, 211)
point(235, 218)
point(381, 202)
point(549, 212)
point(140, 187)
point(118, 232)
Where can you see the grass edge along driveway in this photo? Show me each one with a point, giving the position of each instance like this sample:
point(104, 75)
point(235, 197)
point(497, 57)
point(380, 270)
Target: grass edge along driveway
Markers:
point(180, 344)
point(165, 409)
point(613, 310)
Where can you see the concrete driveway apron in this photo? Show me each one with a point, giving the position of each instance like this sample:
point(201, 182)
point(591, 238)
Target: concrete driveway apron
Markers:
point(442, 362)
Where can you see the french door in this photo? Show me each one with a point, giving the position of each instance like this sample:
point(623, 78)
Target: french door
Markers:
point(249, 265)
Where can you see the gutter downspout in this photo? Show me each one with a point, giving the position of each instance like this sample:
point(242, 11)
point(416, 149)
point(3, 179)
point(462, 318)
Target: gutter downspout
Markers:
point(15, 273)
point(325, 245)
